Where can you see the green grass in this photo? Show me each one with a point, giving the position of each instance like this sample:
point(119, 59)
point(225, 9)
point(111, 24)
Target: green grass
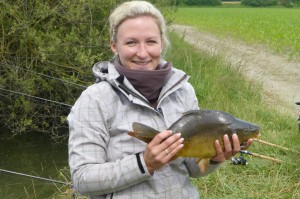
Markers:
point(220, 86)
point(276, 28)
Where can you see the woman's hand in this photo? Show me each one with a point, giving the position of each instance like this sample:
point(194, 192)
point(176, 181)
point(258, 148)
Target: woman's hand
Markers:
point(161, 150)
point(229, 150)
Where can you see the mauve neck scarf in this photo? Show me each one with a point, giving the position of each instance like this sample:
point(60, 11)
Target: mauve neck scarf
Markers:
point(147, 82)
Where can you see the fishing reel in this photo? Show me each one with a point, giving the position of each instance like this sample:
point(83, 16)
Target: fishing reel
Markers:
point(241, 160)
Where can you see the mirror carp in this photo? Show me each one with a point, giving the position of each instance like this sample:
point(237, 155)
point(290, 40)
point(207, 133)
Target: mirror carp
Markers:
point(200, 129)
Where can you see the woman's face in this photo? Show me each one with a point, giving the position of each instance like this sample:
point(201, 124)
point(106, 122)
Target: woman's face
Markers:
point(139, 43)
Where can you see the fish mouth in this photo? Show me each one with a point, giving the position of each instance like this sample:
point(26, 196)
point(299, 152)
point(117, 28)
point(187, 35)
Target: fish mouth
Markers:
point(256, 134)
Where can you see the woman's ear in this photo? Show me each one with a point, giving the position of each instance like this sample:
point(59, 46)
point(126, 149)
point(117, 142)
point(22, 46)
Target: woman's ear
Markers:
point(113, 47)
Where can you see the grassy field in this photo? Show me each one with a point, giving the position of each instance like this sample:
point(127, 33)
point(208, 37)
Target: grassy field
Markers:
point(223, 87)
point(276, 28)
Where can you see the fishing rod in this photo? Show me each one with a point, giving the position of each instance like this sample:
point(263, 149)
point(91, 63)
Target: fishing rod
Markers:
point(35, 177)
point(261, 156)
point(242, 161)
point(35, 97)
point(274, 145)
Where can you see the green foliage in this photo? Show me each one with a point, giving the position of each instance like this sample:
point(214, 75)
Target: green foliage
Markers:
point(259, 3)
point(47, 50)
point(289, 3)
point(202, 2)
point(58, 38)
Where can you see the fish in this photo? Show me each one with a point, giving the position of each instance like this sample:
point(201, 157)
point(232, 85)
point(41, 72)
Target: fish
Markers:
point(200, 129)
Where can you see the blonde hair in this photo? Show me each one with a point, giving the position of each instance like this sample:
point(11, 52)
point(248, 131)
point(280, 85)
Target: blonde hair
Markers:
point(134, 9)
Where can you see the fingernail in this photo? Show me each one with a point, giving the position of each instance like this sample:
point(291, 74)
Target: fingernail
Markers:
point(181, 139)
point(178, 135)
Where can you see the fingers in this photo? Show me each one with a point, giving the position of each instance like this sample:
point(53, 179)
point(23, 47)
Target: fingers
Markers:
point(161, 149)
point(229, 149)
point(160, 137)
point(236, 144)
point(173, 148)
point(166, 141)
point(169, 147)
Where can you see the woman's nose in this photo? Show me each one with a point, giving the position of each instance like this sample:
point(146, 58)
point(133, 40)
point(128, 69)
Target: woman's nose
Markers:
point(142, 51)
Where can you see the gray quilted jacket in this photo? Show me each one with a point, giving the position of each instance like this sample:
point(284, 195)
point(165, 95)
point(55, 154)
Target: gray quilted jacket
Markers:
point(106, 162)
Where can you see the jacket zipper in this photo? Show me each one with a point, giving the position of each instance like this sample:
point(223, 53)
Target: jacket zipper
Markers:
point(178, 82)
point(159, 110)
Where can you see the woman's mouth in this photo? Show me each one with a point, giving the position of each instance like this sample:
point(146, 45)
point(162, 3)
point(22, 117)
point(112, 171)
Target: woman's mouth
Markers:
point(141, 63)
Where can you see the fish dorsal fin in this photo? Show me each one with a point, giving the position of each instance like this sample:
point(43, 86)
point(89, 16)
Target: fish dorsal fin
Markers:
point(191, 112)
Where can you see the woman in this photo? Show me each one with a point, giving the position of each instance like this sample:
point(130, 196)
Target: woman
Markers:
point(136, 86)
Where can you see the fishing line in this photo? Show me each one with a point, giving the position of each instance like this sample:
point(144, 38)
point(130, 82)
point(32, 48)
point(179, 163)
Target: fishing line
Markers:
point(36, 177)
point(35, 97)
point(48, 76)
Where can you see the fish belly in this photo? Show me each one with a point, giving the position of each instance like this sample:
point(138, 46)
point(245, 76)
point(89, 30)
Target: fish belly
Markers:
point(195, 148)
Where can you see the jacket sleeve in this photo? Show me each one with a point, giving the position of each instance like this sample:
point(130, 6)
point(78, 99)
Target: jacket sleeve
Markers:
point(91, 173)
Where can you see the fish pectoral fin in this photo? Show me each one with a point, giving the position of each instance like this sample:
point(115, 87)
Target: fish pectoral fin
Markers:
point(203, 164)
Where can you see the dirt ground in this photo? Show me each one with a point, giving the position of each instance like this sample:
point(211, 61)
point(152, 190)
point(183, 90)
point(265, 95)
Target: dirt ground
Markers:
point(280, 78)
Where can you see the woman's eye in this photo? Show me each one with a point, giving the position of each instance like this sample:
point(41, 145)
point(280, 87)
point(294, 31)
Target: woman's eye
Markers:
point(152, 42)
point(130, 43)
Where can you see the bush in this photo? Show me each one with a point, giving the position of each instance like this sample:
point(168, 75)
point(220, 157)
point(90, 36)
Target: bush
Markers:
point(58, 38)
point(47, 52)
point(289, 3)
point(259, 3)
point(202, 2)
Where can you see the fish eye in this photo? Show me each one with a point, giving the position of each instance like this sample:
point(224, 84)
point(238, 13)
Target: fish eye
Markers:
point(246, 131)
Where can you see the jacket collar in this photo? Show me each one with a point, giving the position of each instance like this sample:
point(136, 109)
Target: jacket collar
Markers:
point(105, 71)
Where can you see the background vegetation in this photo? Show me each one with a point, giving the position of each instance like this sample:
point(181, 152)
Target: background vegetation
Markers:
point(60, 39)
point(47, 49)
point(274, 28)
point(265, 3)
point(253, 3)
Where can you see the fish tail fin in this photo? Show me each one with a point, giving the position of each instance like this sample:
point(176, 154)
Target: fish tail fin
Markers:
point(203, 164)
point(143, 132)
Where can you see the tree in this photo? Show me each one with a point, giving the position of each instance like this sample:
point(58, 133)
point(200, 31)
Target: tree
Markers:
point(259, 3)
point(202, 2)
